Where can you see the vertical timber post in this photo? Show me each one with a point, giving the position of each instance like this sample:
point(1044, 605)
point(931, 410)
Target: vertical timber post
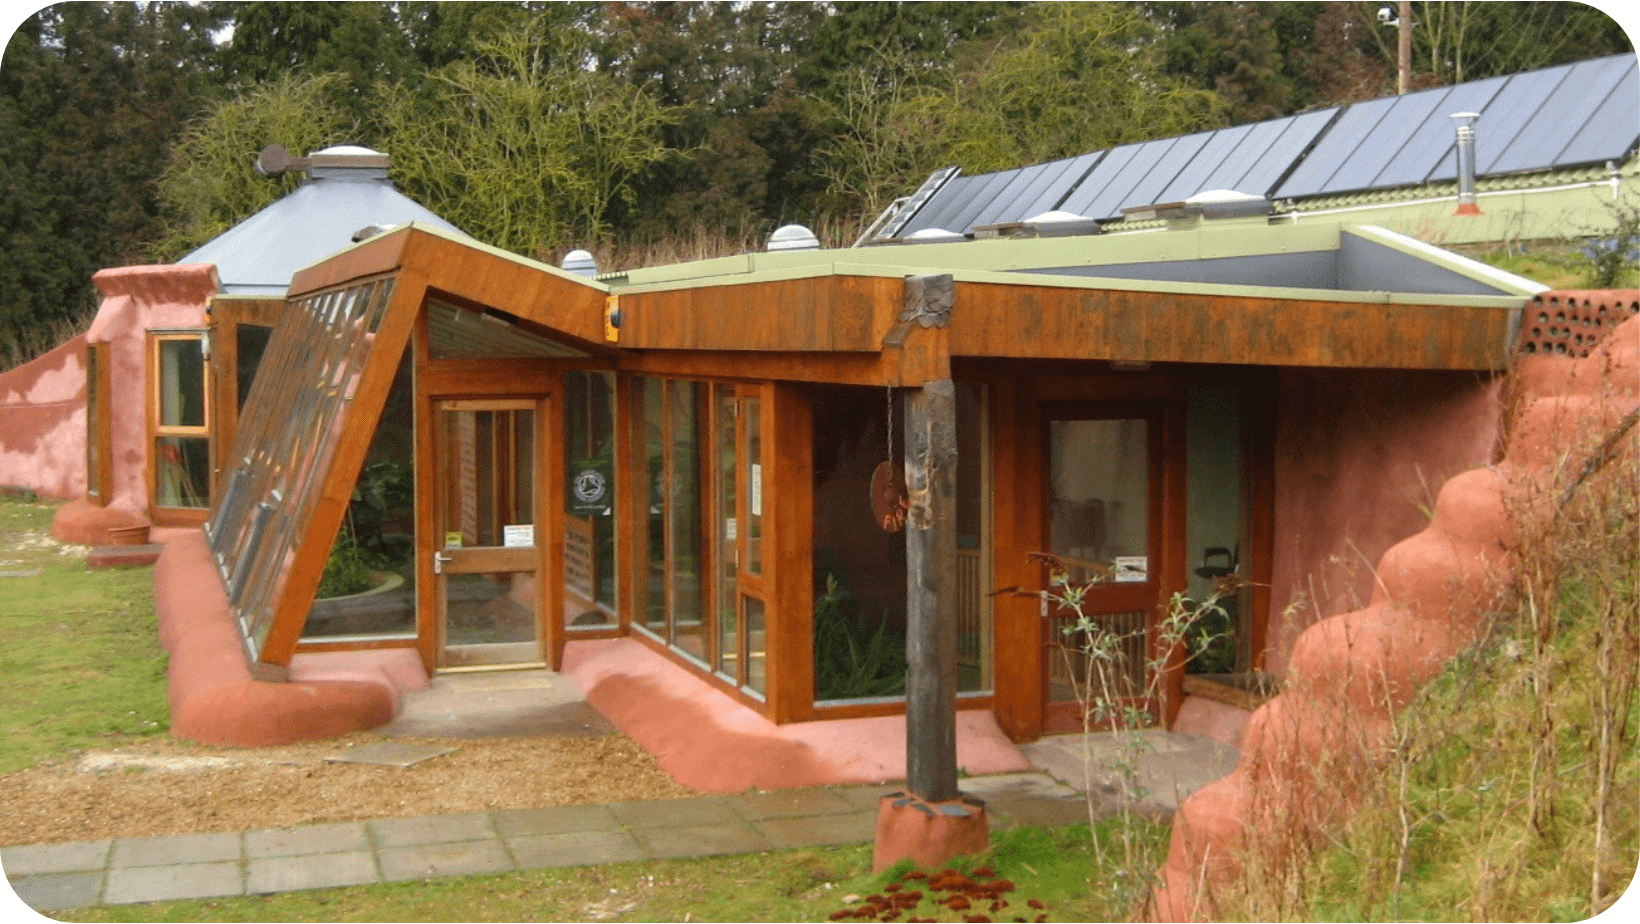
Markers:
point(931, 628)
point(930, 822)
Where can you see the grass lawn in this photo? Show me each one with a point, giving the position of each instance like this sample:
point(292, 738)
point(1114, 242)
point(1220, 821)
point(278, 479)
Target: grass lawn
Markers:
point(79, 650)
point(1056, 866)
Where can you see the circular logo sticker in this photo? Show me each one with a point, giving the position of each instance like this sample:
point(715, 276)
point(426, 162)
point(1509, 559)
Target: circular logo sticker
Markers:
point(589, 486)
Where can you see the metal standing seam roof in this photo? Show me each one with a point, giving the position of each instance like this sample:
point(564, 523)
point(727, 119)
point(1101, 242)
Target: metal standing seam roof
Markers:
point(259, 255)
point(1554, 118)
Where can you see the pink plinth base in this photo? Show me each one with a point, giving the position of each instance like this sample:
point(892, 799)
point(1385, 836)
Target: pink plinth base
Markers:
point(214, 699)
point(929, 834)
point(80, 522)
point(706, 739)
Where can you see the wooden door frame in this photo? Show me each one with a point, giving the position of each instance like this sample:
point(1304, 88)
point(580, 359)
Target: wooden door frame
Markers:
point(1166, 508)
point(549, 630)
point(440, 380)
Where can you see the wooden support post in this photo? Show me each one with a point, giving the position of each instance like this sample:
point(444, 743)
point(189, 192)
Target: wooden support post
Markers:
point(931, 629)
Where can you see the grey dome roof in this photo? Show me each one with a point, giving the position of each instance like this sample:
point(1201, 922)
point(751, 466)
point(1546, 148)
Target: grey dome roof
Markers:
point(259, 255)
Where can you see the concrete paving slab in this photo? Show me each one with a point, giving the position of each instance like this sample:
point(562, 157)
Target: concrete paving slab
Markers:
point(818, 830)
point(28, 860)
point(429, 861)
point(431, 829)
point(867, 797)
point(699, 840)
point(1167, 766)
point(164, 883)
point(312, 871)
point(389, 754)
point(560, 819)
point(1018, 811)
point(59, 891)
point(1001, 785)
point(585, 848)
point(337, 837)
point(173, 850)
point(532, 703)
point(662, 813)
point(790, 803)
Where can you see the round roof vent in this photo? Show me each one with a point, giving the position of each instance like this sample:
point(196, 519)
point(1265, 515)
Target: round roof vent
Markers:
point(935, 236)
point(580, 263)
point(792, 237)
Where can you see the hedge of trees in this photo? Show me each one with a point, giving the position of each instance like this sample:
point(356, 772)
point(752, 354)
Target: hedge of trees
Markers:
point(128, 131)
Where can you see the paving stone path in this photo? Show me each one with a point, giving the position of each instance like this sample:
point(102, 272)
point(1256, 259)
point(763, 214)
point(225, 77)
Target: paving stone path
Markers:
point(50, 877)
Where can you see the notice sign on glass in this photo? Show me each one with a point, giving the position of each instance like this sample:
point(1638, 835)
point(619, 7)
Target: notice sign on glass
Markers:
point(516, 536)
point(1132, 569)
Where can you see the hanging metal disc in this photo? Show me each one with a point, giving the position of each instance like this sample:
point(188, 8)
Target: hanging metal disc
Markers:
point(889, 497)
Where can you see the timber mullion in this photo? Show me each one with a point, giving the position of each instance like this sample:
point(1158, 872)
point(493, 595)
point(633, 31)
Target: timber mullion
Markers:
point(549, 539)
point(788, 559)
point(625, 484)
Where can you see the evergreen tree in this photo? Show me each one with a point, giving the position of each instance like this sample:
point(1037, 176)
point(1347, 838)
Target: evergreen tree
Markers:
point(90, 96)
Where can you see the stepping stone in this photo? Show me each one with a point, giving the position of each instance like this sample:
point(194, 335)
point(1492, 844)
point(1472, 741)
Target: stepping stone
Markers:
point(389, 754)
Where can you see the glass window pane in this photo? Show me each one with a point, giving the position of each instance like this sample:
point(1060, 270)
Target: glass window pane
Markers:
point(96, 414)
point(1100, 503)
point(251, 342)
point(754, 486)
point(649, 415)
point(1215, 526)
point(490, 455)
point(182, 471)
point(756, 645)
point(181, 383)
point(369, 584)
point(728, 640)
point(686, 550)
point(487, 609)
point(285, 443)
point(589, 480)
point(859, 569)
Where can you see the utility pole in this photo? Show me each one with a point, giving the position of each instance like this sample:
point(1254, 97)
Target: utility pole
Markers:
point(1403, 75)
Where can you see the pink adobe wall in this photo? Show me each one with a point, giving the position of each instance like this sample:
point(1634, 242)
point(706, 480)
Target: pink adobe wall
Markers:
point(1349, 673)
point(136, 299)
point(1359, 455)
point(42, 422)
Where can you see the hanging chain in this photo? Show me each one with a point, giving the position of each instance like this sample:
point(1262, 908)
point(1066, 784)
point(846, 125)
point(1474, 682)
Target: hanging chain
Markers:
point(890, 391)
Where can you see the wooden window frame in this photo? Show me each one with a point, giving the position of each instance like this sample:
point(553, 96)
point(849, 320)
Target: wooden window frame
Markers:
point(157, 430)
point(757, 586)
point(99, 435)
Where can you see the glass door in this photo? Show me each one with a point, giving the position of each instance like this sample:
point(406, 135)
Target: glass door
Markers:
point(1102, 510)
point(487, 561)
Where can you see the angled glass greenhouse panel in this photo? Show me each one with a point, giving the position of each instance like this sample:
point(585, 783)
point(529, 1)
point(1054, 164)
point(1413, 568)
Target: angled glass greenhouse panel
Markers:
point(324, 355)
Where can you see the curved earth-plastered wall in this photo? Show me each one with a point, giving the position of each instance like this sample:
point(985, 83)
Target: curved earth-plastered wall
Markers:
point(42, 423)
point(136, 299)
point(1348, 673)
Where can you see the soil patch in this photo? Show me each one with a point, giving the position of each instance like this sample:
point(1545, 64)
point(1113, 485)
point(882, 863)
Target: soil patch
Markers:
point(170, 787)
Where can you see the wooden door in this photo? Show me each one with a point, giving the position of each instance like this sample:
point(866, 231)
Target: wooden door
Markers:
point(488, 562)
point(1103, 521)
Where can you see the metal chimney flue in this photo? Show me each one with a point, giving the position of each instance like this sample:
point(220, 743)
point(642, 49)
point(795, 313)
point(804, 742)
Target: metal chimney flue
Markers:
point(1465, 123)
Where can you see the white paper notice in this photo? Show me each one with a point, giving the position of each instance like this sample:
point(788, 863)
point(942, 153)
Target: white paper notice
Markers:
point(517, 536)
point(1132, 569)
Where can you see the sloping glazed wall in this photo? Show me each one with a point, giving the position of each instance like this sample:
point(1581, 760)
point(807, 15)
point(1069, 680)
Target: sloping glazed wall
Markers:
point(1348, 673)
point(42, 423)
point(136, 299)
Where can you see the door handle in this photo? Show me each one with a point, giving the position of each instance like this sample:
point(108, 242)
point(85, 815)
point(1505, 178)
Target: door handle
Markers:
point(439, 559)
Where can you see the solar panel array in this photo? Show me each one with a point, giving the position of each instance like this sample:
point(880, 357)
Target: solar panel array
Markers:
point(1571, 115)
